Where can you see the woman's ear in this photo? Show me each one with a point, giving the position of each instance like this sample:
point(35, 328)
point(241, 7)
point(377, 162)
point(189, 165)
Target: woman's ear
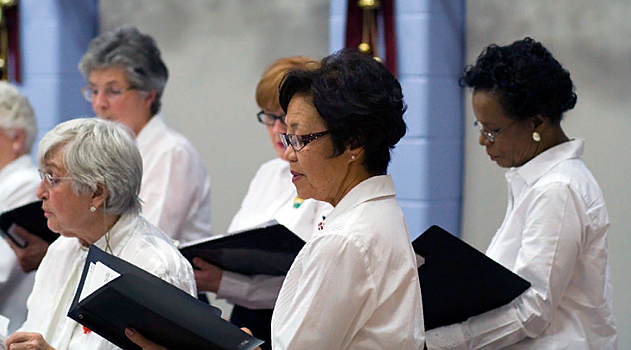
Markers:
point(151, 96)
point(537, 121)
point(19, 142)
point(355, 153)
point(99, 196)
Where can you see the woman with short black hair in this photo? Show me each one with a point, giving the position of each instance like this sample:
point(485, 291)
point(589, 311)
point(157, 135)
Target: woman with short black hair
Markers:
point(554, 233)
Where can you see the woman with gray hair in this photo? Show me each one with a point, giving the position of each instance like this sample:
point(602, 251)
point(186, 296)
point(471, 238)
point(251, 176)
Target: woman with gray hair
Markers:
point(18, 183)
point(91, 174)
point(126, 77)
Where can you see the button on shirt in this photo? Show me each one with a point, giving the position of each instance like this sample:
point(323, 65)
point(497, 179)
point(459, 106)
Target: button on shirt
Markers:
point(18, 184)
point(354, 285)
point(175, 185)
point(554, 235)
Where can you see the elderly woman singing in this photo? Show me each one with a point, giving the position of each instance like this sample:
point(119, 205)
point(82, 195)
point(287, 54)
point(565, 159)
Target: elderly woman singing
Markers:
point(91, 173)
point(354, 285)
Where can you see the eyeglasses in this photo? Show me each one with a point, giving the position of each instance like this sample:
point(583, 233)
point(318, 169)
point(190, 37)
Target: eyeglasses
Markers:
point(270, 119)
point(50, 180)
point(111, 93)
point(299, 142)
point(490, 135)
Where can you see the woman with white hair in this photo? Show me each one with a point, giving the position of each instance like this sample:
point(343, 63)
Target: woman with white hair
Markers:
point(126, 78)
point(91, 174)
point(18, 183)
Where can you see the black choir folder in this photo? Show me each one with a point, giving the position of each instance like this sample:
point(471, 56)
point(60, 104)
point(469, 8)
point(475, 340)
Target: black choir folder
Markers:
point(268, 249)
point(30, 217)
point(458, 281)
point(158, 310)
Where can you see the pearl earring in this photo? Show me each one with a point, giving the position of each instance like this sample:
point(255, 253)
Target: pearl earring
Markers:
point(16, 146)
point(536, 137)
point(92, 209)
point(353, 157)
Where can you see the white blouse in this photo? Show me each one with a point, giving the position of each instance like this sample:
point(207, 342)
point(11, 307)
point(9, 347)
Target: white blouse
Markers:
point(354, 285)
point(132, 239)
point(271, 195)
point(18, 184)
point(554, 235)
point(175, 185)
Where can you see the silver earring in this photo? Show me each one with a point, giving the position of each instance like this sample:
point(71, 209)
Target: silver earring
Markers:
point(92, 209)
point(536, 137)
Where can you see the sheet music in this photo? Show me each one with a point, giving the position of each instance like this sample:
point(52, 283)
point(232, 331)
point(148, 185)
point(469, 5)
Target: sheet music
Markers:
point(4, 330)
point(98, 275)
point(419, 261)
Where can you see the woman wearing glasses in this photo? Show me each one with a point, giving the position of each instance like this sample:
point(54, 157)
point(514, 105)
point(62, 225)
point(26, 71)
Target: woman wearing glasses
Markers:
point(18, 183)
point(271, 195)
point(126, 78)
point(554, 233)
point(354, 285)
point(91, 174)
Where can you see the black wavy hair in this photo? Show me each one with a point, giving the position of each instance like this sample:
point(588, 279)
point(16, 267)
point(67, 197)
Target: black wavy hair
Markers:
point(359, 100)
point(525, 78)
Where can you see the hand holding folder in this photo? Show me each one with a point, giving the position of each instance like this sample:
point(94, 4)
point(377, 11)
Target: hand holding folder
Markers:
point(268, 249)
point(31, 218)
point(458, 281)
point(126, 296)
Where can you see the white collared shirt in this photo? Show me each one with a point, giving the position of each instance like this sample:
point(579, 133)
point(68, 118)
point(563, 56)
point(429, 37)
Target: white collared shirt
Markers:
point(175, 185)
point(18, 184)
point(132, 239)
point(354, 285)
point(271, 195)
point(554, 235)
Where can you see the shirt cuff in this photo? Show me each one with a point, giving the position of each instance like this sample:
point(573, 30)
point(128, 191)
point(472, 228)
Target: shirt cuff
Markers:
point(449, 338)
point(233, 285)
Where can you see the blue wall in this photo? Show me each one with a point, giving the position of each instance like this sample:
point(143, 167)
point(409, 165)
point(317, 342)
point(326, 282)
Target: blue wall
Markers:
point(54, 34)
point(427, 163)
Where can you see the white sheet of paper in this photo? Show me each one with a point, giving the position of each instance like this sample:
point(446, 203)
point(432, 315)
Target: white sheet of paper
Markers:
point(4, 326)
point(419, 261)
point(4, 330)
point(98, 276)
point(88, 282)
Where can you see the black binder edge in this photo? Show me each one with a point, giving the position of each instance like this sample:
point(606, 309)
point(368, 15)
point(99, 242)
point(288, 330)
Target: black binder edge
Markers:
point(127, 270)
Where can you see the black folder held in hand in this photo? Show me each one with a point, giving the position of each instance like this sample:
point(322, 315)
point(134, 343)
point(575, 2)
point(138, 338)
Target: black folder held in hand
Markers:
point(30, 217)
point(158, 310)
point(458, 281)
point(268, 249)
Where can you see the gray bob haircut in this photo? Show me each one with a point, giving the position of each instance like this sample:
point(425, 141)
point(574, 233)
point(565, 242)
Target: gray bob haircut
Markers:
point(98, 152)
point(133, 51)
point(17, 113)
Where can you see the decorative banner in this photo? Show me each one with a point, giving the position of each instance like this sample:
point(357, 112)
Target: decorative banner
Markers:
point(9, 41)
point(370, 27)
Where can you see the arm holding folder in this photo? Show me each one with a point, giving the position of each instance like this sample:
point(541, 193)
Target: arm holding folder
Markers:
point(555, 229)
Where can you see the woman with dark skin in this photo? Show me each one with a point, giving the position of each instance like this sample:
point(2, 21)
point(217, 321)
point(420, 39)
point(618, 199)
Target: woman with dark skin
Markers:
point(554, 233)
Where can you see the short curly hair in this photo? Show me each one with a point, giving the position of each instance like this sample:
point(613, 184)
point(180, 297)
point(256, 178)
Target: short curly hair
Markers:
point(360, 101)
point(525, 78)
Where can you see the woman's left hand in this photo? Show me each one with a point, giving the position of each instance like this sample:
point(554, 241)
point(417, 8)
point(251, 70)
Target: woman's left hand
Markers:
point(27, 341)
point(207, 277)
point(141, 341)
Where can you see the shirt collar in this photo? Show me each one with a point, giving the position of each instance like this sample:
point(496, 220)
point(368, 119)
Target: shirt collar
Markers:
point(152, 128)
point(544, 162)
point(119, 234)
point(372, 188)
point(23, 161)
